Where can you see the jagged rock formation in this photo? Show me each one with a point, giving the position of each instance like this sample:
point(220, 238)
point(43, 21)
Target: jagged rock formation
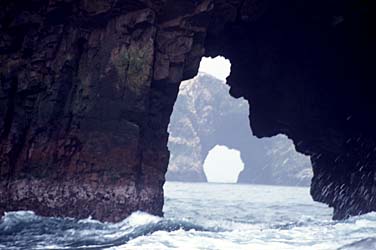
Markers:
point(205, 115)
point(87, 89)
point(279, 164)
point(197, 125)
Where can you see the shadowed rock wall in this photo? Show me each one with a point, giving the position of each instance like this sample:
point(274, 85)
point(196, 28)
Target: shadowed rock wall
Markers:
point(308, 74)
point(87, 89)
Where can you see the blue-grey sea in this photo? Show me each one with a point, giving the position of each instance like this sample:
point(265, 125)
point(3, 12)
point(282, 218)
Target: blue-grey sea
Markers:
point(203, 216)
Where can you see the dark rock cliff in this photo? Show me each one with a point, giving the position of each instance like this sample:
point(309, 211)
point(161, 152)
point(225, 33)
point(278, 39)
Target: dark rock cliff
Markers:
point(87, 89)
point(306, 69)
point(205, 115)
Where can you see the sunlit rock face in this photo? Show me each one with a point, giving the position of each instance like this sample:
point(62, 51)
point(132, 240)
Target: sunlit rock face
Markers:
point(87, 89)
point(205, 115)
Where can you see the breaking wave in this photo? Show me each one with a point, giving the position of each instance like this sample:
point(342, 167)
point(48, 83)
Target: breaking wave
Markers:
point(24, 229)
point(365, 244)
point(202, 216)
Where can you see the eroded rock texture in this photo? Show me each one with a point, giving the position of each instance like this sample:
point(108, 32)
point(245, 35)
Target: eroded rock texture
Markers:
point(87, 88)
point(75, 102)
point(204, 116)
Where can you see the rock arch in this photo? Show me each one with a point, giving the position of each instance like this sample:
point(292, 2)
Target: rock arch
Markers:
point(204, 116)
point(87, 89)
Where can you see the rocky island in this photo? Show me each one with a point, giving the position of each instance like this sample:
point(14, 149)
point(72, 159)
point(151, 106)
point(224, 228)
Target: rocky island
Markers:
point(204, 116)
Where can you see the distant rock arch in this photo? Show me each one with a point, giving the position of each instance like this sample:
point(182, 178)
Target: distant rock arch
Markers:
point(204, 116)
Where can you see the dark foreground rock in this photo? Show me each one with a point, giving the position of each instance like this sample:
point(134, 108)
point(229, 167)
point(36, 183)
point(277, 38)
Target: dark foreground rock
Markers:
point(87, 89)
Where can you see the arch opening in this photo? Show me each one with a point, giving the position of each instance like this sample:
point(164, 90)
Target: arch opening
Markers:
point(219, 66)
point(223, 165)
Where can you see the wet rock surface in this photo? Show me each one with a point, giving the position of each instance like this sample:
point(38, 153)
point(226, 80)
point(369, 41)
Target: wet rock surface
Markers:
point(87, 89)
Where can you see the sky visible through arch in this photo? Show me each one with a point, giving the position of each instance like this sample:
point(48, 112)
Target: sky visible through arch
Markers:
point(219, 67)
point(223, 165)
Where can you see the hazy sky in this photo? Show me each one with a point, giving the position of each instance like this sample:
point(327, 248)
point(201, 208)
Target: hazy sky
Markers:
point(218, 66)
point(223, 165)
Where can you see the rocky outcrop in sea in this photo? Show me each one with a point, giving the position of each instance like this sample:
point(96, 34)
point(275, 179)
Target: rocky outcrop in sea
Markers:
point(206, 115)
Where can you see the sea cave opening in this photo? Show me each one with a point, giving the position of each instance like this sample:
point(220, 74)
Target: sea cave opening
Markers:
point(211, 139)
point(87, 91)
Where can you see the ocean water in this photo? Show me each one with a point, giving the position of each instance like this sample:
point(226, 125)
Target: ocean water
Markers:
point(203, 216)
